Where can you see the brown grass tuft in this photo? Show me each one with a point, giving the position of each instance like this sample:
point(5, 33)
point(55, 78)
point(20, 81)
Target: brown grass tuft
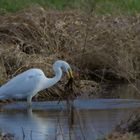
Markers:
point(103, 47)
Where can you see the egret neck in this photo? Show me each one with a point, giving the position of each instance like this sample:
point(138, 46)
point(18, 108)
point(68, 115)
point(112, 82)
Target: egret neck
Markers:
point(51, 81)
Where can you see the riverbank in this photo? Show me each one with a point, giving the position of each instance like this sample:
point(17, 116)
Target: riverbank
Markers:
point(99, 48)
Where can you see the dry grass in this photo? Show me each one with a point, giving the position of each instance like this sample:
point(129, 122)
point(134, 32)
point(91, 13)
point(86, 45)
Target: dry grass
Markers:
point(121, 136)
point(7, 136)
point(112, 47)
point(102, 47)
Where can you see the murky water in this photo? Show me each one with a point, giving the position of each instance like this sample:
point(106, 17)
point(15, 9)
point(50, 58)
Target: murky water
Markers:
point(82, 120)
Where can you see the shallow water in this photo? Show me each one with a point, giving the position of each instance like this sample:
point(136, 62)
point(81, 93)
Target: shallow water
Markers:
point(82, 119)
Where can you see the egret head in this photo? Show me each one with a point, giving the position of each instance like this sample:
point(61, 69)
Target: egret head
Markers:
point(65, 66)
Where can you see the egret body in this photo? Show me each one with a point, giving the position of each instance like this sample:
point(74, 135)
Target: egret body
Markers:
point(30, 82)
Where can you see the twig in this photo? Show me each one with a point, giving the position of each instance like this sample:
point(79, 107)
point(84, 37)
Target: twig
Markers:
point(31, 135)
point(61, 130)
point(80, 124)
point(23, 134)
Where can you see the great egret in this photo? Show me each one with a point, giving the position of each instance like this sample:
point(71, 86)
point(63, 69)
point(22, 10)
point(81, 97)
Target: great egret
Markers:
point(30, 82)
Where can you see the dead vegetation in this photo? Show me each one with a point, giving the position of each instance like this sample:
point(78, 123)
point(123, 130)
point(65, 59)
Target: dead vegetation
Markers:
point(130, 125)
point(121, 136)
point(128, 129)
point(7, 136)
point(102, 48)
point(112, 47)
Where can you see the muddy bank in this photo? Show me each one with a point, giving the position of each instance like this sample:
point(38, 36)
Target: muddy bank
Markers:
point(99, 48)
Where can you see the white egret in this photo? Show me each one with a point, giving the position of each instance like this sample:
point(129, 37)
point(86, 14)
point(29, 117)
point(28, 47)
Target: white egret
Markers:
point(30, 82)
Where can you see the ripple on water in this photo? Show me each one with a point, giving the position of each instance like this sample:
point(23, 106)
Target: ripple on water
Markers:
point(79, 104)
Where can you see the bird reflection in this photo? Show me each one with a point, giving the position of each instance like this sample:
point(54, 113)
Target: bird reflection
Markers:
point(28, 124)
point(57, 123)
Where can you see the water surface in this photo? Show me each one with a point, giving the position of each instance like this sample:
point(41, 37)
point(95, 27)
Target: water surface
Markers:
point(86, 118)
point(82, 120)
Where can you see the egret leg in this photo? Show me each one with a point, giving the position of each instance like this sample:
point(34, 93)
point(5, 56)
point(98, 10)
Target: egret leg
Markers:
point(29, 101)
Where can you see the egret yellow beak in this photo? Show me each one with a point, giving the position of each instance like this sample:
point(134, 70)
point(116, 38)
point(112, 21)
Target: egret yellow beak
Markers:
point(69, 73)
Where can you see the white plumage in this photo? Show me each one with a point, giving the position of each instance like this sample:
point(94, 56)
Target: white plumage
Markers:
point(30, 82)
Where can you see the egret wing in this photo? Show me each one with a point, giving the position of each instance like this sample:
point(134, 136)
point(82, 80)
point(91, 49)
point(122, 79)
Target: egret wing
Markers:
point(20, 86)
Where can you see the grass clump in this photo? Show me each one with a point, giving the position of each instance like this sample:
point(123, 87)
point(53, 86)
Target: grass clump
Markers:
point(111, 41)
point(121, 136)
point(34, 40)
point(112, 48)
point(100, 47)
